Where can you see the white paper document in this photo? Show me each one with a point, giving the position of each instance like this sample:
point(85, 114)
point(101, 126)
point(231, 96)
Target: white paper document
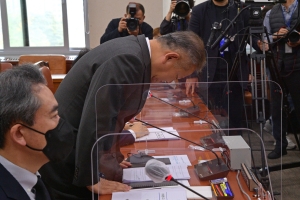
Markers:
point(175, 193)
point(137, 174)
point(177, 159)
point(156, 134)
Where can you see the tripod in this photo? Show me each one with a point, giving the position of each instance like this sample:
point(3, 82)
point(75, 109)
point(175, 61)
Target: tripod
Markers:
point(263, 58)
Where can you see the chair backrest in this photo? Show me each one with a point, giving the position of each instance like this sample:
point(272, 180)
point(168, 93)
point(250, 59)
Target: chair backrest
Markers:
point(5, 66)
point(47, 75)
point(57, 62)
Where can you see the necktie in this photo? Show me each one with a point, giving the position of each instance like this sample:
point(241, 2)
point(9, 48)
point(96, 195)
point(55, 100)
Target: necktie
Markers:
point(40, 190)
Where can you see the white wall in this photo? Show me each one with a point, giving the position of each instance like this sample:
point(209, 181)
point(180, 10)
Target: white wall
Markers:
point(100, 12)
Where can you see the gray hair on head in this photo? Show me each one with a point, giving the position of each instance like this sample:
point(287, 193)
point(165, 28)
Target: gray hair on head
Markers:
point(18, 100)
point(186, 43)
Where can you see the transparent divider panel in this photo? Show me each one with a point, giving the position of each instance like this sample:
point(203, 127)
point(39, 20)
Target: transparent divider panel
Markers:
point(166, 111)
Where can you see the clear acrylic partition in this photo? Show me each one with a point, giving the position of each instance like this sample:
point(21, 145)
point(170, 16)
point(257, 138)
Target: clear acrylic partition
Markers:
point(166, 111)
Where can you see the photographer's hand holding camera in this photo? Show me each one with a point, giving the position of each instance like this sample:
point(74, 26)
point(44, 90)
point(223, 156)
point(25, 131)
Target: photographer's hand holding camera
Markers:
point(131, 24)
point(177, 17)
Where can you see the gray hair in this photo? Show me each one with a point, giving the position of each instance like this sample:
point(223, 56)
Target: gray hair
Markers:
point(18, 100)
point(186, 43)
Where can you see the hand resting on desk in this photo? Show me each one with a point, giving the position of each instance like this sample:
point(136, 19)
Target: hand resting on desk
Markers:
point(108, 187)
point(138, 128)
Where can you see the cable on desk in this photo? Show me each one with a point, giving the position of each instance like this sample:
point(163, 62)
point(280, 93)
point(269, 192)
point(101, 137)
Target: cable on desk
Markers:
point(238, 180)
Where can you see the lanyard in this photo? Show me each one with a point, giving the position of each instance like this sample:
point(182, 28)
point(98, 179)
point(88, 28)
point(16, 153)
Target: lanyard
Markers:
point(288, 23)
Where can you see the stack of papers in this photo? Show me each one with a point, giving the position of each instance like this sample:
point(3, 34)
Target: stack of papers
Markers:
point(156, 134)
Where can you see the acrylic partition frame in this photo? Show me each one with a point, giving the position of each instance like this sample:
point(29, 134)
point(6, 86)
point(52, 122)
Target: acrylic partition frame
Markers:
point(157, 111)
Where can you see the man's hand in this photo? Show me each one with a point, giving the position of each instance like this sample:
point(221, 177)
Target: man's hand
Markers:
point(135, 32)
point(139, 129)
point(172, 6)
point(108, 187)
point(190, 85)
point(122, 24)
point(125, 164)
point(260, 44)
point(281, 33)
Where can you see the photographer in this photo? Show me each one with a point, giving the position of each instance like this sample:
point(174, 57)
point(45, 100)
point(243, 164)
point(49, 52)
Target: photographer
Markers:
point(278, 21)
point(173, 22)
point(119, 27)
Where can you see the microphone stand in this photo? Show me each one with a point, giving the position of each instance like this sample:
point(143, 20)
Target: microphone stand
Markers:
point(209, 170)
point(186, 110)
point(170, 178)
point(227, 28)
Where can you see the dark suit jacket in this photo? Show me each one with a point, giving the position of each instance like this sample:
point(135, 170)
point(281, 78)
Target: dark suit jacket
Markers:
point(120, 61)
point(10, 187)
point(202, 18)
point(112, 32)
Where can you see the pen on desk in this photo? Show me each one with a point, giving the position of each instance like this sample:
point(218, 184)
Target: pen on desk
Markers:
point(212, 185)
point(228, 188)
point(223, 189)
point(219, 190)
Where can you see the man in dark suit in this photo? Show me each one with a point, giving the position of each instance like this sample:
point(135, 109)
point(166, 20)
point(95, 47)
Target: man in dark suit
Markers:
point(26, 105)
point(138, 60)
point(118, 27)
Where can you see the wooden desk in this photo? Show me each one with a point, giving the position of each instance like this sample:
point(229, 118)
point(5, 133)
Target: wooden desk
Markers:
point(162, 115)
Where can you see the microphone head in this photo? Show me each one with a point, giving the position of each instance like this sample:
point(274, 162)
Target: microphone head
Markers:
point(156, 170)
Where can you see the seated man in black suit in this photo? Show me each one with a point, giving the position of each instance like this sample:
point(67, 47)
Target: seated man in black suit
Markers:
point(28, 113)
point(119, 27)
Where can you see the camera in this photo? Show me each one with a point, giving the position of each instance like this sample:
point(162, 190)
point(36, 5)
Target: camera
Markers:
point(182, 8)
point(132, 22)
point(293, 36)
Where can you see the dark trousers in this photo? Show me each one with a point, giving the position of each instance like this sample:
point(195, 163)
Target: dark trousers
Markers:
point(292, 85)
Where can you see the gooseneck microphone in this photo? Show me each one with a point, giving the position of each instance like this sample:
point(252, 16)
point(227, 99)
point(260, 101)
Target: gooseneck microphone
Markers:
point(208, 170)
point(158, 172)
point(184, 110)
point(227, 28)
point(146, 123)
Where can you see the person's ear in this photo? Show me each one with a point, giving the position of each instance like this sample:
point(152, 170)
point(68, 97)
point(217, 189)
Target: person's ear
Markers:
point(144, 17)
point(16, 133)
point(172, 56)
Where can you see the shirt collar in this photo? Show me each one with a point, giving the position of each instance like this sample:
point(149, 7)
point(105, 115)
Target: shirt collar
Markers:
point(290, 8)
point(148, 44)
point(26, 178)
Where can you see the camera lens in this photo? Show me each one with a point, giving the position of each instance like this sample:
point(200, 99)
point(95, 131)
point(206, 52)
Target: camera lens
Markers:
point(182, 8)
point(132, 24)
point(294, 37)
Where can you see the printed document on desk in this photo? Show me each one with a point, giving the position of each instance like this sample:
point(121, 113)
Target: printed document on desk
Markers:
point(175, 193)
point(156, 134)
point(130, 175)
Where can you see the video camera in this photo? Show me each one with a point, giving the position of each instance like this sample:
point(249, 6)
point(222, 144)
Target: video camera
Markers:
point(132, 22)
point(182, 8)
point(256, 18)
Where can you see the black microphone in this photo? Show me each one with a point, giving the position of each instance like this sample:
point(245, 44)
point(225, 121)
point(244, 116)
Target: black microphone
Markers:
point(215, 26)
point(158, 172)
point(212, 169)
point(227, 41)
point(222, 35)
